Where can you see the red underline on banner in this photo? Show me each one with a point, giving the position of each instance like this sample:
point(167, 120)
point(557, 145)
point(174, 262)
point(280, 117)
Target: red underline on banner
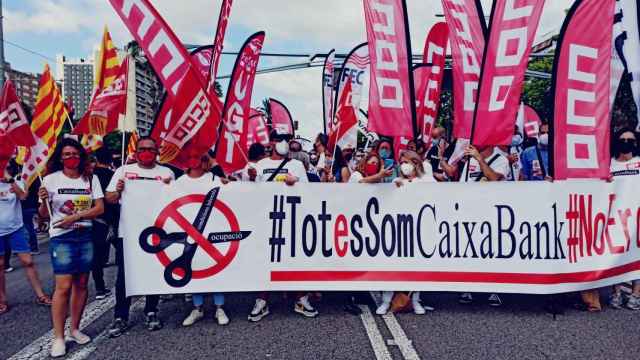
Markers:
point(462, 277)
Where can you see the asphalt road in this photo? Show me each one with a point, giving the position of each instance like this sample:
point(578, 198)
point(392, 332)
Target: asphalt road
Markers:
point(520, 329)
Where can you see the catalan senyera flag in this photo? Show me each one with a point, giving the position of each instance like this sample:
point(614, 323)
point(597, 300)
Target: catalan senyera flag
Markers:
point(49, 116)
point(133, 141)
point(91, 143)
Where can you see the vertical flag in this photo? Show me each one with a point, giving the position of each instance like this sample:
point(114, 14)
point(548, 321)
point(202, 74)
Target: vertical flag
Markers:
point(346, 122)
point(513, 28)
point(467, 34)
point(328, 90)
point(428, 80)
point(392, 106)
point(630, 11)
point(13, 121)
point(218, 44)
point(258, 131)
point(131, 147)
point(232, 143)
point(581, 86)
point(281, 119)
point(193, 108)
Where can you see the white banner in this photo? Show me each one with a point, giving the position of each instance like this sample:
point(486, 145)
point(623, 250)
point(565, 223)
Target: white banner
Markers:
point(487, 237)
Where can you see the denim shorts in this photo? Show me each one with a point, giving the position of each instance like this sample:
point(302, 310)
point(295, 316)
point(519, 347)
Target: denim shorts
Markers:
point(71, 253)
point(18, 241)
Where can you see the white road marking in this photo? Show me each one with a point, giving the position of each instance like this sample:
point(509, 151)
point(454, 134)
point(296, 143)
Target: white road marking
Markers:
point(375, 337)
point(39, 348)
point(400, 338)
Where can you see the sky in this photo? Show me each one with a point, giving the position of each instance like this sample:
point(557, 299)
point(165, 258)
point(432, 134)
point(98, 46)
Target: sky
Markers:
point(74, 28)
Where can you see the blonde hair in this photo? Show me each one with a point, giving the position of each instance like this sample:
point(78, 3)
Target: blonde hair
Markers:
point(415, 159)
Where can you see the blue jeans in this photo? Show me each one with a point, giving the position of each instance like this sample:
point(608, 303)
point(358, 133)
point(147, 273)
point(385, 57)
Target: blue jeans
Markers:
point(198, 299)
point(15, 241)
point(71, 253)
point(27, 218)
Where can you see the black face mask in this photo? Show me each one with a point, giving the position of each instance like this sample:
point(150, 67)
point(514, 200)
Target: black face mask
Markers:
point(626, 146)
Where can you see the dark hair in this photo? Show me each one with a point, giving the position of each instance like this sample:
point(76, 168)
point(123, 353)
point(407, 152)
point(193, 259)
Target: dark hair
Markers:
point(615, 152)
point(323, 139)
point(256, 151)
point(103, 155)
point(338, 161)
point(13, 168)
point(145, 138)
point(55, 162)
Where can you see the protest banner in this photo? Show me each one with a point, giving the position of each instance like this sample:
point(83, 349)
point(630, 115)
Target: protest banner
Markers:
point(536, 238)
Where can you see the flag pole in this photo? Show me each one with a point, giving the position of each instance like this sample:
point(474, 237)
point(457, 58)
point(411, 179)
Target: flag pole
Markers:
point(47, 203)
point(124, 136)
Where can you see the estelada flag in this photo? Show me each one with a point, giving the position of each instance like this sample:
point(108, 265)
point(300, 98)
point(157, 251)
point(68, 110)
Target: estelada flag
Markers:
point(13, 121)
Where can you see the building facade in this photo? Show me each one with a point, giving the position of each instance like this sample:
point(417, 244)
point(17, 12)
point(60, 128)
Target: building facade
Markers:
point(76, 76)
point(26, 85)
point(148, 96)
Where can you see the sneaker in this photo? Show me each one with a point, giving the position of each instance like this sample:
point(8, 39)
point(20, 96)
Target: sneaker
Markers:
point(118, 328)
point(304, 308)
point(260, 310)
point(152, 322)
point(103, 294)
point(465, 298)
point(221, 317)
point(494, 300)
point(616, 301)
point(188, 298)
point(58, 348)
point(8, 269)
point(383, 308)
point(79, 338)
point(194, 317)
point(634, 302)
point(418, 309)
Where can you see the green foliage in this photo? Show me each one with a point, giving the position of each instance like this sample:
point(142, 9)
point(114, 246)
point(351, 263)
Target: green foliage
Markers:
point(536, 92)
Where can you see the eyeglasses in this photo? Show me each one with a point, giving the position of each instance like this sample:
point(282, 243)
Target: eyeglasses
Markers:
point(150, 149)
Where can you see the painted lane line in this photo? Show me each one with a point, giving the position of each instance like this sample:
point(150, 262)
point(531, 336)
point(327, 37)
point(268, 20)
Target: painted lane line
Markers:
point(39, 348)
point(375, 337)
point(400, 338)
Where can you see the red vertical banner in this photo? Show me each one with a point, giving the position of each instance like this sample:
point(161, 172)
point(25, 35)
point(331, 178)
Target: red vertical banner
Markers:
point(218, 44)
point(391, 92)
point(232, 143)
point(258, 131)
point(581, 86)
point(281, 119)
point(428, 80)
point(328, 90)
point(467, 35)
point(513, 28)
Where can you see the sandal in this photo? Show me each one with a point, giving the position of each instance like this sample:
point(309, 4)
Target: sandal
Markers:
point(44, 300)
point(4, 308)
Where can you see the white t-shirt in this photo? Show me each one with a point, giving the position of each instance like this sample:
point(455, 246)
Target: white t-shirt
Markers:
point(10, 209)
point(499, 165)
point(133, 172)
point(243, 175)
point(625, 168)
point(204, 183)
point(266, 167)
point(69, 196)
point(427, 178)
point(356, 176)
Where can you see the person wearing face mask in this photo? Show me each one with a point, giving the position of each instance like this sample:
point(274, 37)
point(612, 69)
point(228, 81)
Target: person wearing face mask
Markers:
point(199, 177)
point(625, 163)
point(337, 166)
point(13, 235)
point(411, 172)
point(513, 152)
point(320, 148)
point(370, 170)
point(280, 168)
point(534, 160)
point(433, 154)
point(71, 197)
point(384, 148)
point(145, 169)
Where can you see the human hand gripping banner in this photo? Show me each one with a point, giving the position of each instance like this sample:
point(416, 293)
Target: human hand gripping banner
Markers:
point(490, 237)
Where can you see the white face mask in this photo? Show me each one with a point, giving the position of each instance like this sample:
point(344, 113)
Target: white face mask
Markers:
point(407, 169)
point(282, 148)
point(543, 140)
point(516, 140)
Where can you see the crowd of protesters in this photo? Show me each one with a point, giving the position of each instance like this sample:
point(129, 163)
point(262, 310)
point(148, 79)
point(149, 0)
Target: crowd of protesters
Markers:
point(83, 196)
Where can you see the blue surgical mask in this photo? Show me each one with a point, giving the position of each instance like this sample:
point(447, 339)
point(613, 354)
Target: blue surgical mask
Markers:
point(385, 153)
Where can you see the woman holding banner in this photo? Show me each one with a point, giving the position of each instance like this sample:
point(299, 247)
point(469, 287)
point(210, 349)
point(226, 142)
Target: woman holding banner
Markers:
point(199, 178)
point(71, 198)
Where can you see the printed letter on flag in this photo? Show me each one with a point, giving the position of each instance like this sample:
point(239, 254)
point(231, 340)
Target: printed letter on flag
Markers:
point(513, 28)
point(232, 143)
point(581, 86)
point(281, 120)
point(391, 94)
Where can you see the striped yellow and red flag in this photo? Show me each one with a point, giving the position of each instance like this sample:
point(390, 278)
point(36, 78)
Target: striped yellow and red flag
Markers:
point(49, 113)
point(133, 141)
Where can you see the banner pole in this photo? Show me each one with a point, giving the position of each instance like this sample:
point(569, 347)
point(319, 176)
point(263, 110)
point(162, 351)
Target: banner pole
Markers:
point(47, 202)
point(124, 136)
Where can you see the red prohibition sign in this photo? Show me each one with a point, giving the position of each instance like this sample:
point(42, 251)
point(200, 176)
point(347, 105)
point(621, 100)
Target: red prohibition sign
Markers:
point(172, 212)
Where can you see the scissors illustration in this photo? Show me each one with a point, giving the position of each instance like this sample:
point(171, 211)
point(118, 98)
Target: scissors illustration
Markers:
point(185, 260)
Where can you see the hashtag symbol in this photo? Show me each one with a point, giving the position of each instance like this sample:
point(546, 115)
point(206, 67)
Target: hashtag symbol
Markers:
point(572, 217)
point(277, 217)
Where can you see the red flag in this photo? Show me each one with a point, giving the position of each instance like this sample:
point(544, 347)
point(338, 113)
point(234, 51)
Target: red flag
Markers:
point(328, 90)
point(193, 109)
point(400, 143)
point(7, 149)
point(391, 95)
point(258, 131)
point(354, 70)
point(581, 86)
point(346, 120)
point(107, 106)
point(13, 121)
point(232, 144)
point(513, 28)
point(528, 121)
point(281, 119)
point(466, 26)
point(218, 44)
point(428, 80)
